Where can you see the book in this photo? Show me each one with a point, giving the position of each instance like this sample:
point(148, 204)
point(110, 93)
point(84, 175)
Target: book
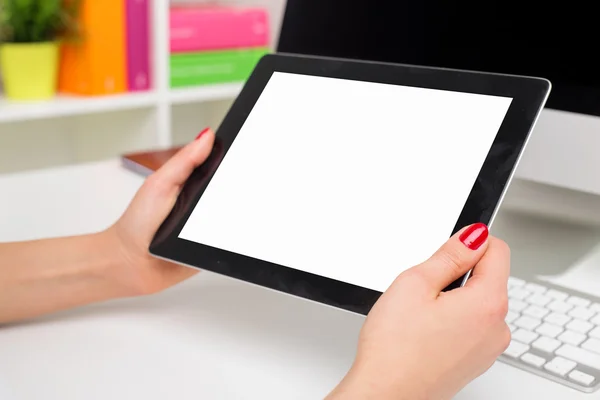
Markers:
point(212, 67)
point(138, 45)
point(147, 162)
point(95, 64)
point(201, 28)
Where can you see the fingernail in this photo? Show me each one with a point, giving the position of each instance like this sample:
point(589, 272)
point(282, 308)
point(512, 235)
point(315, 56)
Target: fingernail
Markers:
point(202, 133)
point(474, 236)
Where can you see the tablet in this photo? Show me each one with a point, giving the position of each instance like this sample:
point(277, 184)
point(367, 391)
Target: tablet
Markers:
point(330, 177)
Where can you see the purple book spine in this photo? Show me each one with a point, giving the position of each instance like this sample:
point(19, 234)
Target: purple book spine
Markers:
point(138, 45)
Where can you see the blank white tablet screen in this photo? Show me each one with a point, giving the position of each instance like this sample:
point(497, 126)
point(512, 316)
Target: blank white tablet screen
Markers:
point(350, 180)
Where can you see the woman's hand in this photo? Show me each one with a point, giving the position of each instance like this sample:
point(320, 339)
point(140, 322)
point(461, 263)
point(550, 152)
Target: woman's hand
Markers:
point(421, 343)
point(49, 275)
point(132, 233)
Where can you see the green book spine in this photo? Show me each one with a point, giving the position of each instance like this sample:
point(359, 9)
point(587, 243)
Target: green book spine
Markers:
point(212, 67)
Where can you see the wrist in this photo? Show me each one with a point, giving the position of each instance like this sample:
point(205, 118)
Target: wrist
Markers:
point(358, 384)
point(362, 382)
point(133, 271)
point(114, 264)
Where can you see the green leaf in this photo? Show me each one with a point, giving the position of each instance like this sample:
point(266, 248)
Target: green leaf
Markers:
point(30, 21)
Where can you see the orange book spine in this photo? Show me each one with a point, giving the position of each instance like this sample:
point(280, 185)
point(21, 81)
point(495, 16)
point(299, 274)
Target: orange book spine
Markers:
point(96, 63)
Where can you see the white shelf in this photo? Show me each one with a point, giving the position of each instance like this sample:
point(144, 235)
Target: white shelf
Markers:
point(205, 93)
point(61, 106)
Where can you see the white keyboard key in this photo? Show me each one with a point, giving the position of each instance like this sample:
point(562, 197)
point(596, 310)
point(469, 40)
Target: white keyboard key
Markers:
point(560, 306)
point(582, 378)
point(578, 301)
point(595, 307)
point(549, 330)
point(579, 355)
point(557, 295)
point(595, 333)
point(580, 326)
point(557, 319)
point(511, 316)
point(524, 336)
point(581, 313)
point(527, 323)
point(573, 338)
point(512, 281)
point(546, 344)
point(517, 305)
point(534, 360)
point(538, 299)
point(512, 327)
point(591, 345)
point(560, 366)
point(536, 312)
point(516, 349)
point(596, 320)
point(518, 293)
point(535, 288)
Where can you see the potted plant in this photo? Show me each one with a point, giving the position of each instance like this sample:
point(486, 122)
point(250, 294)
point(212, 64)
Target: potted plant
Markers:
point(30, 35)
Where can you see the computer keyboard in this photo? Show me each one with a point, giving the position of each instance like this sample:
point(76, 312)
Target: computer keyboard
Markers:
point(555, 333)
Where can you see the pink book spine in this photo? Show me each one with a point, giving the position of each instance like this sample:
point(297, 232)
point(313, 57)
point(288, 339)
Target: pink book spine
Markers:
point(138, 45)
point(213, 28)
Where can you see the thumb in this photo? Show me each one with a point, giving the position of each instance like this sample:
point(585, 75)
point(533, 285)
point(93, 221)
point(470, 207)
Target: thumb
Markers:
point(178, 169)
point(157, 196)
point(455, 258)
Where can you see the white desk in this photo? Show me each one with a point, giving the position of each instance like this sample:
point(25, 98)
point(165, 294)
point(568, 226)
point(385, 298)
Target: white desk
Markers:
point(209, 338)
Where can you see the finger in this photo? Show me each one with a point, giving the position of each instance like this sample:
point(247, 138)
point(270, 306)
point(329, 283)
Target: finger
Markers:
point(455, 258)
point(178, 169)
point(157, 196)
point(492, 271)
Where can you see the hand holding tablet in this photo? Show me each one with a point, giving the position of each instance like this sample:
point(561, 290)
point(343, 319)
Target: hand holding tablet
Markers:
point(326, 171)
point(419, 344)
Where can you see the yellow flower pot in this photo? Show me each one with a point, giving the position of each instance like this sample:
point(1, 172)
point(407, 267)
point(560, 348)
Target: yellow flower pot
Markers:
point(30, 70)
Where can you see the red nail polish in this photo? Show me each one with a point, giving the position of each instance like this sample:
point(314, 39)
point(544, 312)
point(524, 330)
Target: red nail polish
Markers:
point(202, 133)
point(474, 236)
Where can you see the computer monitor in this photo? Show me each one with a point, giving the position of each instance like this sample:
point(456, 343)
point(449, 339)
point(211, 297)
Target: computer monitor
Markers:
point(554, 42)
point(558, 42)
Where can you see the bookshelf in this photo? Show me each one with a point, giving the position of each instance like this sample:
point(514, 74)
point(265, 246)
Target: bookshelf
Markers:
point(204, 93)
point(71, 129)
point(66, 106)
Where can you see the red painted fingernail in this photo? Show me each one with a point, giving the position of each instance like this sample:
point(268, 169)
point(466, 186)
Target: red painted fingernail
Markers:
point(474, 236)
point(202, 133)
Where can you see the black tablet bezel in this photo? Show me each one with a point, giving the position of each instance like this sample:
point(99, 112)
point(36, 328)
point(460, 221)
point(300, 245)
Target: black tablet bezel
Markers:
point(529, 96)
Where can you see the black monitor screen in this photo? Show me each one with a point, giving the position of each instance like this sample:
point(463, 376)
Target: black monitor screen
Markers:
point(558, 41)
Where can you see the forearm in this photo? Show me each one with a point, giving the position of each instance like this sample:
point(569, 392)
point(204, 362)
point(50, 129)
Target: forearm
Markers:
point(45, 276)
